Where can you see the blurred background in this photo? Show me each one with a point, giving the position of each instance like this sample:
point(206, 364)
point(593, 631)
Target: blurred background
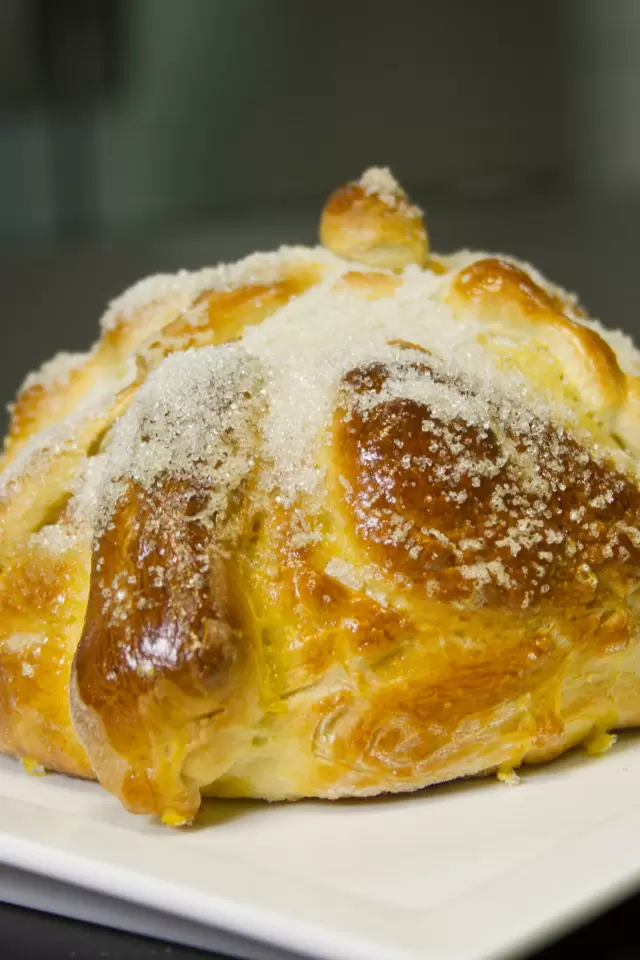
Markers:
point(139, 136)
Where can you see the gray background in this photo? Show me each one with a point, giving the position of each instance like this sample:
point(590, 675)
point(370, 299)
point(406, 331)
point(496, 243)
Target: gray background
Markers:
point(147, 135)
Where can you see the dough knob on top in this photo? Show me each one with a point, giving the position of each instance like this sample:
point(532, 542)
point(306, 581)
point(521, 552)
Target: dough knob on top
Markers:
point(372, 221)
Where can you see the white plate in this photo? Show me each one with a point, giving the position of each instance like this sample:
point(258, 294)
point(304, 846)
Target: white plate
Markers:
point(469, 871)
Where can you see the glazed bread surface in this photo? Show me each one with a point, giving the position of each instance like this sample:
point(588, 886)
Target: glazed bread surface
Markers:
point(328, 522)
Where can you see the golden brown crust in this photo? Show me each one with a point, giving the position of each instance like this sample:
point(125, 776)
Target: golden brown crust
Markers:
point(42, 603)
point(495, 290)
point(393, 540)
point(220, 316)
point(359, 223)
point(166, 661)
point(40, 405)
point(439, 512)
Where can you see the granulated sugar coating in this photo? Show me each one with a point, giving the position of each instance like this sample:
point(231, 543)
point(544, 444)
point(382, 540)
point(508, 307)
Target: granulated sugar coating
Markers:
point(380, 182)
point(270, 400)
point(266, 407)
point(186, 286)
point(309, 345)
point(321, 525)
point(196, 419)
point(55, 371)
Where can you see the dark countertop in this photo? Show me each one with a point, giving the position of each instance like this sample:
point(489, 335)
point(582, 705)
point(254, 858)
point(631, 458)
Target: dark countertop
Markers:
point(39, 936)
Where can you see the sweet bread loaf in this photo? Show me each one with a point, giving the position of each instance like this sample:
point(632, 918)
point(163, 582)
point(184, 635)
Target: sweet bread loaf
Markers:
point(327, 522)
